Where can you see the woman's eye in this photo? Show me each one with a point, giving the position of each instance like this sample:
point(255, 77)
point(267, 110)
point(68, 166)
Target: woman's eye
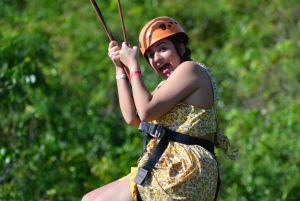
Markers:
point(162, 49)
point(150, 55)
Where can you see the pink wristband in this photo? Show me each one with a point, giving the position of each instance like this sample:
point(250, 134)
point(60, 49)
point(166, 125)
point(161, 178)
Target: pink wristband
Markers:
point(135, 73)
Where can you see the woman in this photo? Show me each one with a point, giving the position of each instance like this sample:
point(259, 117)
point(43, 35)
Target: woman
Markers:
point(185, 104)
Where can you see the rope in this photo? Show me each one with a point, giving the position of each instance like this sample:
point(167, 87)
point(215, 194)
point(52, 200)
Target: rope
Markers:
point(122, 22)
point(101, 18)
point(107, 30)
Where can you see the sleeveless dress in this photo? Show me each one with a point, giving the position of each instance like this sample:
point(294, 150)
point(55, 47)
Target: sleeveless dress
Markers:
point(184, 172)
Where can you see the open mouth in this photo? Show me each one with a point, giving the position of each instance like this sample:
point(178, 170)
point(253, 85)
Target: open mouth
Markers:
point(166, 68)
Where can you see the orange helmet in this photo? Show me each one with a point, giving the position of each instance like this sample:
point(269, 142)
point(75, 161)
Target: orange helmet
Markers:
point(157, 29)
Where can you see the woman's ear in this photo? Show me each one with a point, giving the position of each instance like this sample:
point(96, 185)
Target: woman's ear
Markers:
point(181, 49)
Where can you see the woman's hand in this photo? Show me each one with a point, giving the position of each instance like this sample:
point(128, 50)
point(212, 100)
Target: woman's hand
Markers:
point(129, 56)
point(114, 53)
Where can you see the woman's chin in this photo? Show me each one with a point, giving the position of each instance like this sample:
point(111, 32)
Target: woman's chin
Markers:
point(166, 75)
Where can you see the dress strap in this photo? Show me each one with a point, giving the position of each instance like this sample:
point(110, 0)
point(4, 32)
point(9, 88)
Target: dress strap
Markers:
point(213, 82)
point(221, 140)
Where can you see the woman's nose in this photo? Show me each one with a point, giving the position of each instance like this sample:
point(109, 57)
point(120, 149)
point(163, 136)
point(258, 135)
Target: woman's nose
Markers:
point(157, 56)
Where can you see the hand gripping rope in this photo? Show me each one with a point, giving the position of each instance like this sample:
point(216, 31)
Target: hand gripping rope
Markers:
point(106, 28)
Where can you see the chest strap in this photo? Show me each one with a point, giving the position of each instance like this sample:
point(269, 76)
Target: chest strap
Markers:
point(165, 136)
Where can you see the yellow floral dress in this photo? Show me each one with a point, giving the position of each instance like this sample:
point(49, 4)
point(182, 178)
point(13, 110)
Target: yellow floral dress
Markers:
point(184, 172)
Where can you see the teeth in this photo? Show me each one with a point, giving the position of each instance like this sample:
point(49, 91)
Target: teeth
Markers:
point(162, 65)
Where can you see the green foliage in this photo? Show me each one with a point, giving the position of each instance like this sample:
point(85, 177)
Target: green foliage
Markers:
point(61, 131)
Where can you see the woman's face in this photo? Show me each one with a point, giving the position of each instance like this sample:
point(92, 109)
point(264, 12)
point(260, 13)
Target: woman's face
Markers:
point(163, 57)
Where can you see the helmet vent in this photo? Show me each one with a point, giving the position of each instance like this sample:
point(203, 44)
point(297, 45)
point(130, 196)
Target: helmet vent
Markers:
point(163, 27)
point(160, 28)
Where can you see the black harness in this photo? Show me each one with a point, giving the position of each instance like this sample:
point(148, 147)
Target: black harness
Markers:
point(165, 136)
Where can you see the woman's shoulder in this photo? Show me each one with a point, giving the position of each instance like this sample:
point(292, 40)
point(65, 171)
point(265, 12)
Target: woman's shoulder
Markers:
point(192, 69)
point(192, 65)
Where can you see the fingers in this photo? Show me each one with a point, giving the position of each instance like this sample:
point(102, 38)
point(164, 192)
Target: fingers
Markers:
point(135, 48)
point(113, 44)
point(124, 44)
point(113, 48)
point(114, 53)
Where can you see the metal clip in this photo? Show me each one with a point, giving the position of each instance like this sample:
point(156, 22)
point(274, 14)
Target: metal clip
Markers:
point(140, 177)
point(152, 128)
point(159, 131)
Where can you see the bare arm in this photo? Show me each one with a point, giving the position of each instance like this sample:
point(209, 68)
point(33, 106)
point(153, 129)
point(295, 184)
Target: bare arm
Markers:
point(126, 101)
point(125, 98)
point(183, 82)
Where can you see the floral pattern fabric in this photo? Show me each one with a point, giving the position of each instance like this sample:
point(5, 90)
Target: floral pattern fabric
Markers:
point(185, 172)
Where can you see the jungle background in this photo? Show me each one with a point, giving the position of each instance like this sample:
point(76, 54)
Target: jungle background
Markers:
point(61, 130)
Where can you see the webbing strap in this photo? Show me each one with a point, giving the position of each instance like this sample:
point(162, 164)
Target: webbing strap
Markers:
point(153, 159)
point(165, 135)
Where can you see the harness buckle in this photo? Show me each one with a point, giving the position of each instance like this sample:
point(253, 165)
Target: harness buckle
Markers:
point(141, 175)
point(159, 132)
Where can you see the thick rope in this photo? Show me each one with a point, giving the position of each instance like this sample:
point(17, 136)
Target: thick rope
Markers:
point(107, 30)
point(101, 18)
point(122, 22)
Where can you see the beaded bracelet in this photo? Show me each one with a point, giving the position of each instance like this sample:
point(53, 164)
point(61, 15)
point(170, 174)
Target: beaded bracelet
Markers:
point(138, 72)
point(122, 76)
